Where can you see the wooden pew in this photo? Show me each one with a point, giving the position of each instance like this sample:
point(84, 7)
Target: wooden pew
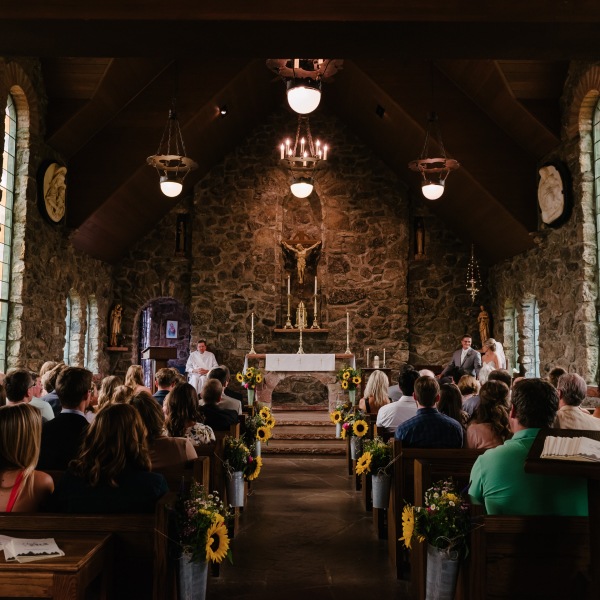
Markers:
point(522, 557)
point(141, 568)
point(403, 491)
point(181, 476)
point(428, 471)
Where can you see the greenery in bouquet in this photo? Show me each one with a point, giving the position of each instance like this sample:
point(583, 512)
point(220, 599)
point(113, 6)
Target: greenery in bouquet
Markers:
point(349, 378)
point(444, 521)
point(250, 378)
point(355, 424)
point(201, 521)
point(376, 457)
point(237, 457)
point(338, 414)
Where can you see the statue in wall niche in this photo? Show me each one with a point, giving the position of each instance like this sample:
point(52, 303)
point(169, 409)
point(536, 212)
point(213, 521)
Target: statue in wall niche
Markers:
point(301, 255)
point(419, 238)
point(483, 322)
point(115, 324)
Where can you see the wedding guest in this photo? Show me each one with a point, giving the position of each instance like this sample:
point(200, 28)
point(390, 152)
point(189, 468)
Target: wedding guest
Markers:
point(165, 451)
point(555, 375)
point(49, 383)
point(134, 378)
point(107, 390)
point(123, 394)
point(497, 375)
point(490, 426)
point(469, 388)
point(22, 488)
point(498, 477)
point(183, 417)
point(223, 375)
point(37, 399)
point(572, 391)
point(450, 403)
point(92, 408)
point(219, 419)
point(395, 391)
point(165, 380)
point(395, 413)
point(112, 473)
point(375, 393)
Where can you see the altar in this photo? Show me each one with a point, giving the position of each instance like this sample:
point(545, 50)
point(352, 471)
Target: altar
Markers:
point(300, 381)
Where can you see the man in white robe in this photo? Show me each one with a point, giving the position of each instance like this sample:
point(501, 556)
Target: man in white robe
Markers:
point(199, 364)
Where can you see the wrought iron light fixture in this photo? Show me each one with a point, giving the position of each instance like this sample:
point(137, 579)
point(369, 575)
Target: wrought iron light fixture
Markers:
point(170, 160)
point(473, 276)
point(302, 158)
point(435, 171)
point(303, 78)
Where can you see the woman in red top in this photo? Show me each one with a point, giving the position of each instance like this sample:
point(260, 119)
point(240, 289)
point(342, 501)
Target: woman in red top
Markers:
point(22, 488)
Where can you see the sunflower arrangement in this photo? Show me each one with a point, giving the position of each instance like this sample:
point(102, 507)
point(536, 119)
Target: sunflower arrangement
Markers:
point(376, 457)
point(250, 378)
point(444, 521)
point(260, 426)
point(339, 413)
point(349, 378)
point(201, 520)
point(355, 424)
point(237, 457)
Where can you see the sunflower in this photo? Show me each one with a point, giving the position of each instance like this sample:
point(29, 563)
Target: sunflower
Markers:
point(364, 464)
point(257, 464)
point(346, 375)
point(360, 427)
point(263, 433)
point(343, 434)
point(408, 525)
point(271, 422)
point(264, 413)
point(356, 380)
point(217, 542)
point(259, 378)
point(336, 416)
point(240, 377)
point(344, 384)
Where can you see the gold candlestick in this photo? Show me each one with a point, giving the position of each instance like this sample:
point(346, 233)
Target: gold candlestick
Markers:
point(315, 324)
point(348, 351)
point(300, 349)
point(252, 350)
point(288, 323)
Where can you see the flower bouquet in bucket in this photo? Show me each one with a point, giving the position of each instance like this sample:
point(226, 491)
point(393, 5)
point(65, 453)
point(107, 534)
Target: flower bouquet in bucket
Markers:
point(375, 460)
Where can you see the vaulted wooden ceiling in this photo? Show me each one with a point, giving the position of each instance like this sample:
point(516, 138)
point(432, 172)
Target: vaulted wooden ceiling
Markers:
point(498, 68)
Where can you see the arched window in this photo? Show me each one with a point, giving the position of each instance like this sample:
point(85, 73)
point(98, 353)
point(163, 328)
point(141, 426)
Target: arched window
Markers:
point(531, 337)
point(67, 348)
point(596, 157)
point(71, 353)
point(511, 338)
point(7, 190)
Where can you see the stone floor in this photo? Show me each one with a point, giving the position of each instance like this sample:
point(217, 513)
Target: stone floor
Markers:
point(305, 535)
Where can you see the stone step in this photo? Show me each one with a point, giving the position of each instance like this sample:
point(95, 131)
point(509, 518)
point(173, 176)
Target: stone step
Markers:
point(332, 447)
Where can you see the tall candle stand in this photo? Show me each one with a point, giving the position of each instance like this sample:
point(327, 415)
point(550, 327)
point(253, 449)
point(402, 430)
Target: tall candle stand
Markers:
point(348, 351)
point(252, 350)
point(288, 323)
point(300, 349)
point(315, 324)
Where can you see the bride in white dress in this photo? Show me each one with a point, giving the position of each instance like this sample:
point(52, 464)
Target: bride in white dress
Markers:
point(491, 360)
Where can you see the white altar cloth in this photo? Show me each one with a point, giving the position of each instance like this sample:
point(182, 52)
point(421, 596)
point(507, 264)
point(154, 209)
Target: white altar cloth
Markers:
point(300, 362)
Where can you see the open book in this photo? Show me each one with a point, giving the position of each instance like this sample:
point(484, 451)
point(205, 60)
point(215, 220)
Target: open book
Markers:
point(22, 550)
point(571, 448)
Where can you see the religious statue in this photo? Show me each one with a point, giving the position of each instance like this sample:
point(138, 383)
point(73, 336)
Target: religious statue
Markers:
point(483, 321)
point(420, 238)
point(115, 325)
point(301, 255)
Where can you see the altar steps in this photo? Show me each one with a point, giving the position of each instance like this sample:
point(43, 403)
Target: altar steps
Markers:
point(304, 433)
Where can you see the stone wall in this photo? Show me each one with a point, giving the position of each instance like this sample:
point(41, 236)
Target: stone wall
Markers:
point(561, 272)
point(46, 268)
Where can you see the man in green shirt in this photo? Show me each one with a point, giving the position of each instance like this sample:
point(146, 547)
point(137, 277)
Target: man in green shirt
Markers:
point(498, 477)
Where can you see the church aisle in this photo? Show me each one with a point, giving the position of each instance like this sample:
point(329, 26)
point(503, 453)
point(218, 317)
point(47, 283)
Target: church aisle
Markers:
point(305, 535)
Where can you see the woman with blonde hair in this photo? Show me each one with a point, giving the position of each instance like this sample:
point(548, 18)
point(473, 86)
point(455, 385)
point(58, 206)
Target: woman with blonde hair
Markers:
point(183, 417)
point(107, 390)
point(376, 393)
point(134, 378)
point(22, 488)
point(122, 394)
point(112, 473)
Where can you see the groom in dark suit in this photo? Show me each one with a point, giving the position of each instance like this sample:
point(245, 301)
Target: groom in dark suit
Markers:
point(466, 359)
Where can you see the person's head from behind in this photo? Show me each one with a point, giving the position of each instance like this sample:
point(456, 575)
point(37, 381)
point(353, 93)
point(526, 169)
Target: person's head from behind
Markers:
point(426, 373)
point(165, 378)
point(220, 373)
point(122, 394)
point(73, 386)
point(107, 389)
point(151, 413)
point(500, 375)
point(115, 440)
point(20, 437)
point(555, 375)
point(377, 386)
point(406, 382)
point(134, 376)
point(493, 407)
point(427, 391)
point(534, 403)
point(572, 389)
point(19, 385)
point(47, 366)
point(468, 385)
point(49, 377)
point(181, 409)
point(450, 402)
point(212, 391)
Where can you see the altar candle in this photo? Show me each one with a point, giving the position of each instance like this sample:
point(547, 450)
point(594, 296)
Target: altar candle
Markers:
point(315, 285)
point(252, 327)
point(282, 148)
point(347, 328)
point(368, 357)
point(384, 357)
point(288, 285)
point(325, 148)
